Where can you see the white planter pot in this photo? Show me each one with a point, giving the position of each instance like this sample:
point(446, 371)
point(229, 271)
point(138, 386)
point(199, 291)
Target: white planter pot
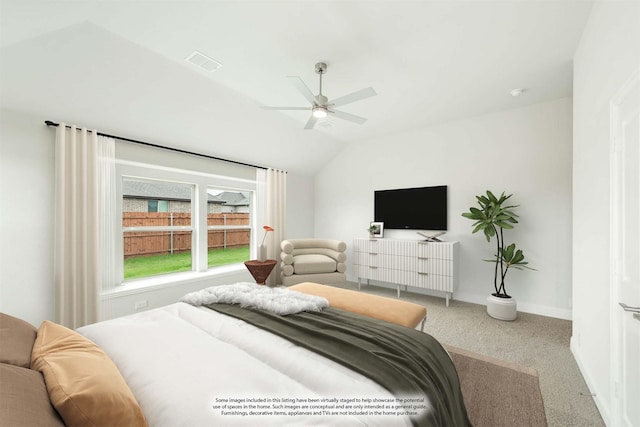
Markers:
point(501, 308)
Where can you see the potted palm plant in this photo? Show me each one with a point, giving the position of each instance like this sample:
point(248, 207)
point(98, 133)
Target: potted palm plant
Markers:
point(492, 217)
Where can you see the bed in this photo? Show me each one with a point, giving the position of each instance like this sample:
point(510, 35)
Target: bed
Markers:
point(221, 364)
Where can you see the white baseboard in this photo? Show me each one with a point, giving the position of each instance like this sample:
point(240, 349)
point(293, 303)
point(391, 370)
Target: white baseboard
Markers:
point(601, 404)
point(541, 310)
point(558, 313)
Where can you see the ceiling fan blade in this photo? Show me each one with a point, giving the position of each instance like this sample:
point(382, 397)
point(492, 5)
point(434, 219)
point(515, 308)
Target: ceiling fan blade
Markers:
point(285, 108)
point(348, 116)
point(302, 88)
point(311, 122)
point(353, 97)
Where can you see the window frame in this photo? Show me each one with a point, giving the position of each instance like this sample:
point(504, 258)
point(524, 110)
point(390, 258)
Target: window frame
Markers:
point(201, 182)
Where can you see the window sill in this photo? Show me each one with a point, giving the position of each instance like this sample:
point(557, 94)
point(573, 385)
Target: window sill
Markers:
point(169, 280)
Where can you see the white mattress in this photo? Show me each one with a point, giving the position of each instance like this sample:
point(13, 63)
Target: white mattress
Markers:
point(180, 360)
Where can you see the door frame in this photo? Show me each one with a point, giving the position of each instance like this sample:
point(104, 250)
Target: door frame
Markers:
point(615, 225)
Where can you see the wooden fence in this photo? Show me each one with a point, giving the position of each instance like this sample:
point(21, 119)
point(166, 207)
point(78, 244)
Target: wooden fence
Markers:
point(139, 243)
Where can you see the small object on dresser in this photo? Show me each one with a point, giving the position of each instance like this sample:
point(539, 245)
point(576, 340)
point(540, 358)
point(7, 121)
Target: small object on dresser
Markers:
point(376, 229)
point(431, 237)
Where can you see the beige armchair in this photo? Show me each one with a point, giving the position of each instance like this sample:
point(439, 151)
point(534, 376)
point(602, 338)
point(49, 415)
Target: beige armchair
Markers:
point(313, 260)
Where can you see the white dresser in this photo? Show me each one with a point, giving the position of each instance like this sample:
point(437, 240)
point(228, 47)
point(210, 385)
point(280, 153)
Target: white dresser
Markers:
point(421, 264)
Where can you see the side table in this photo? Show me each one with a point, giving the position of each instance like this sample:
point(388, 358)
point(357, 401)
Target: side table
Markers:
point(260, 270)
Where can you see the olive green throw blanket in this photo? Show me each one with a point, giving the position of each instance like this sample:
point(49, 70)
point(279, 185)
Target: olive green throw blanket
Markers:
point(405, 361)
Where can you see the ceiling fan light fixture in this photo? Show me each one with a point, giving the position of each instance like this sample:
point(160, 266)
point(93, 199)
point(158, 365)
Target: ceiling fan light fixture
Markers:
point(320, 112)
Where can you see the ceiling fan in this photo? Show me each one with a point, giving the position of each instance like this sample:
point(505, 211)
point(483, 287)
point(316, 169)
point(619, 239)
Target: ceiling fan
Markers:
point(321, 106)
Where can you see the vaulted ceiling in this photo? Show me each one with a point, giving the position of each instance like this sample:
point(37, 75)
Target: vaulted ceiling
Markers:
point(120, 66)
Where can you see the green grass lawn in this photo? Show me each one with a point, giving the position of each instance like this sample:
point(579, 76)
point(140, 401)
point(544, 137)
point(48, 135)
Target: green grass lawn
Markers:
point(144, 266)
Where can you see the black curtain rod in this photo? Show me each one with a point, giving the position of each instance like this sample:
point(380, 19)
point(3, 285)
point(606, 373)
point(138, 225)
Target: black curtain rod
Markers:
point(149, 144)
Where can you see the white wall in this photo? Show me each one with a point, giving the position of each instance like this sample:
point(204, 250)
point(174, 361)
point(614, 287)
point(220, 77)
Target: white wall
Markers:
point(26, 224)
point(608, 53)
point(524, 151)
point(300, 212)
point(26, 217)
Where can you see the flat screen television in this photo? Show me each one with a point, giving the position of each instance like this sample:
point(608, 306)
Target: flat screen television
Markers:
point(423, 208)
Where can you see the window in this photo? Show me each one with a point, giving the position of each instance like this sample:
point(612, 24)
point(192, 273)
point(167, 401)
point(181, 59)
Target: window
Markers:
point(152, 206)
point(179, 221)
point(228, 226)
point(174, 195)
point(156, 239)
point(158, 206)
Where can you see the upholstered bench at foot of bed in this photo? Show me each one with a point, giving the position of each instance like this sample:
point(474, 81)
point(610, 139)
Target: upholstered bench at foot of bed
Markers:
point(392, 310)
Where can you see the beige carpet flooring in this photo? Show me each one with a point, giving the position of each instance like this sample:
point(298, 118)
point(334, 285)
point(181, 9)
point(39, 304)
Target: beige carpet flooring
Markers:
point(532, 341)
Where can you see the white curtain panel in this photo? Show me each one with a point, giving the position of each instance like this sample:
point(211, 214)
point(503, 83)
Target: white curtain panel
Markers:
point(275, 209)
point(108, 220)
point(81, 212)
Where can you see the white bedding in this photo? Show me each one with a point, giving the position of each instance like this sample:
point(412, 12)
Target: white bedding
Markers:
point(179, 361)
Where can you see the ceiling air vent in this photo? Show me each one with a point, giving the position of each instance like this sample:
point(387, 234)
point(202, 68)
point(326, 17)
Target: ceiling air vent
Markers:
point(203, 61)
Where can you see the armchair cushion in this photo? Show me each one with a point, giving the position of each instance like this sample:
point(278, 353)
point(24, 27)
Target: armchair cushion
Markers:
point(314, 263)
